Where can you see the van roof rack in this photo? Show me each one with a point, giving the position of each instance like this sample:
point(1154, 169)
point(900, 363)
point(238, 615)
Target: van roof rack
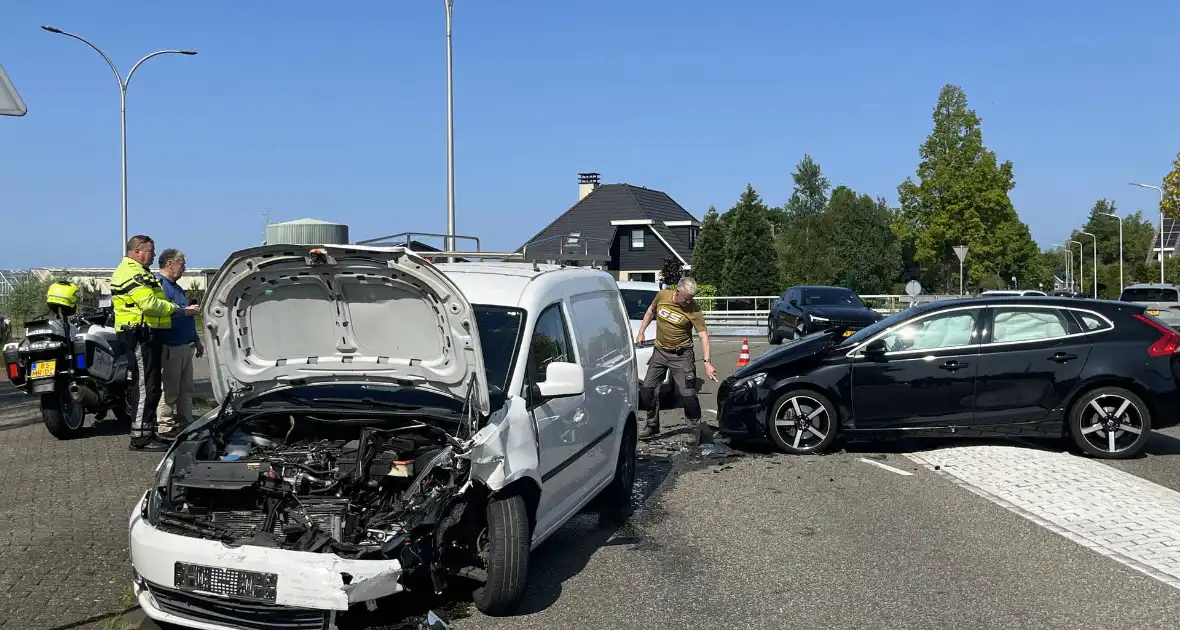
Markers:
point(410, 241)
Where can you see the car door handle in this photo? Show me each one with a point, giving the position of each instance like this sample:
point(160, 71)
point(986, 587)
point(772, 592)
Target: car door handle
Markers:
point(951, 366)
point(1062, 357)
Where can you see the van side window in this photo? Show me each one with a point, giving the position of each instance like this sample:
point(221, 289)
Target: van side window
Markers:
point(603, 333)
point(551, 342)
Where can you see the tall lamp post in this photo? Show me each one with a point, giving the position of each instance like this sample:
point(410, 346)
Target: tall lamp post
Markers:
point(123, 81)
point(1094, 268)
point(450, 245)
point(1161, 192)
point(1081, 266)
point(1069, 267)
point(1111, 214)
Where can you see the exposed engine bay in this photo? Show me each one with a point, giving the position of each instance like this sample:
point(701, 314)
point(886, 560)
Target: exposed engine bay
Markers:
point(381, 489)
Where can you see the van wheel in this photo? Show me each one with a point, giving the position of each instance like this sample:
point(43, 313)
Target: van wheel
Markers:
point(1110, 423)
point(615, 500)
point(506, 541)
point(62, 416)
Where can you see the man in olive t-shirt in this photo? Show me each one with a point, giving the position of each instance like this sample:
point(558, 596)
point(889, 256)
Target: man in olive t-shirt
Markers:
point(677, 316)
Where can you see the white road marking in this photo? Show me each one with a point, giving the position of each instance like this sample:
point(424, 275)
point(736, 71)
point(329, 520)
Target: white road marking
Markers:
point(891, 469)
point(1121, 516)
point(711, 410)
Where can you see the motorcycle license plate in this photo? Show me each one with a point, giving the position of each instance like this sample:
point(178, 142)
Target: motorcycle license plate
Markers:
point(43, 369)
point(1152, 312)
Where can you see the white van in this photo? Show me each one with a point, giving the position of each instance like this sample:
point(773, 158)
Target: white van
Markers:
point(385, 424)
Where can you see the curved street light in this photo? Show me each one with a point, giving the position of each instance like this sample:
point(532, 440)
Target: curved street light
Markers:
point(1094, 268)
point(1081, 267)
point(123, 81)
point(1111, 214)
point(1161, 192)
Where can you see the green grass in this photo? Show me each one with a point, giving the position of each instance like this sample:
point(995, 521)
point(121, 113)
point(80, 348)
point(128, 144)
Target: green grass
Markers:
point(126, 602)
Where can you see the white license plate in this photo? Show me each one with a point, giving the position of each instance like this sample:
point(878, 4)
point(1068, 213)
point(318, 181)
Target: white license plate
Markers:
point(253, 585)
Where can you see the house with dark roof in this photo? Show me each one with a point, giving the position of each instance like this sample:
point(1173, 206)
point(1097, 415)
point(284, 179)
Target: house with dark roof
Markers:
point(627, 230)
point(1164, 243)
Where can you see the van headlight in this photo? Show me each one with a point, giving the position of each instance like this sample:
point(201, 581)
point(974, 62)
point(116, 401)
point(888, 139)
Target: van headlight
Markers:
point(753, 381)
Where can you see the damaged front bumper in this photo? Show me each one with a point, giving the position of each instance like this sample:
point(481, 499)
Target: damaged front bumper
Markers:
point(317, 583)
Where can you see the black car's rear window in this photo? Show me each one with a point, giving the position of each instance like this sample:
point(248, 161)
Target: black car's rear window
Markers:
point(1150, 294)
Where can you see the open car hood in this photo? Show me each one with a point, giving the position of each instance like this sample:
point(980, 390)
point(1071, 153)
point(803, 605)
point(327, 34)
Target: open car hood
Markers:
point(281, 315)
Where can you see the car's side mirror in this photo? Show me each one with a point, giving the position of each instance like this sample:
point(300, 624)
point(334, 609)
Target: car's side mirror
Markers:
point(875, 348)
point(561, 380)
point(794, 302)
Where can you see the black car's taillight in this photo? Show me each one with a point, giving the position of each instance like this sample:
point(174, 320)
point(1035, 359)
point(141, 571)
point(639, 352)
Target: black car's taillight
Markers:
point(1169, 341)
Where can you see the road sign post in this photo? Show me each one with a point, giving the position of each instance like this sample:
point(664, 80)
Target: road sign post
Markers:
point(10, 101)
point(961, 252)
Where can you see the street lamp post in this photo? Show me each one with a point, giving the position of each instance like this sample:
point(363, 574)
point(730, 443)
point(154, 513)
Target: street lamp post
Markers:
point(1094, 268)
point(450, 138)
point(1081, 266)
point(1068, 266)
point(1111, 214)
point(1161, 192)
point(122, 106)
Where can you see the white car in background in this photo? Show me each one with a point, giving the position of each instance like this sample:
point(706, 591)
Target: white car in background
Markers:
point(637, 297)
point(385, 424)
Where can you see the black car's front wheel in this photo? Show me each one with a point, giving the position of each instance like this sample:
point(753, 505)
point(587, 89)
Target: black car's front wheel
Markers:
point(772, 335)
point(1110, 423)
point(801, 422)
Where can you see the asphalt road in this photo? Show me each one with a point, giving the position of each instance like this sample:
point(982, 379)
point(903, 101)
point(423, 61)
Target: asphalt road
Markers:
point(846, 540)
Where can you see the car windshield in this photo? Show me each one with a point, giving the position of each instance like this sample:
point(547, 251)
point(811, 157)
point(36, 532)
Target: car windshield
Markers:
point(499, 334)
point(637, 301)
point(1149, 294)
point(830, 296)
point(879, 325)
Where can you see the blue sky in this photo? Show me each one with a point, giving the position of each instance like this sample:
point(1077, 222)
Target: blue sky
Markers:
point(338, 113)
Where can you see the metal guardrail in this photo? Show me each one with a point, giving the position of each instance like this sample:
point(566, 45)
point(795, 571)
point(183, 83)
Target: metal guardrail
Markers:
point(752, 310)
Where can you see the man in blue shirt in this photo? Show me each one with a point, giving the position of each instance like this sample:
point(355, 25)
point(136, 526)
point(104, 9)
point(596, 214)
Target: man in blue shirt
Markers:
point(181, 344)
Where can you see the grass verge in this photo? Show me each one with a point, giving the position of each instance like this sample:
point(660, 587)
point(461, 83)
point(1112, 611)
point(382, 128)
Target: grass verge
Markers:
point(126, 603)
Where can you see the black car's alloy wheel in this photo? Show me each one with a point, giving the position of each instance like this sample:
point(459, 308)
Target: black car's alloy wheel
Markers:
point(1110, 423)
point(802, 421)
point(772, 335)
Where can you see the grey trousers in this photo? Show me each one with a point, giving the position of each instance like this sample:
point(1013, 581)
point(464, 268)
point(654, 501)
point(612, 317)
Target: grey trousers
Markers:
point(683, 366)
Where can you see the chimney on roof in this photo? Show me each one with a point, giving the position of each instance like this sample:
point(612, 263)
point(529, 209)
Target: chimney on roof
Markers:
point(587, 183)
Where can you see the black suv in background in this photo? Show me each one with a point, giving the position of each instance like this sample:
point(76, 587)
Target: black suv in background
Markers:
point(804, 310)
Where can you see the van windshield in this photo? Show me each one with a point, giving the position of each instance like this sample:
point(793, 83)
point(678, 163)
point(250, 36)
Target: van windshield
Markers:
point(500, 328)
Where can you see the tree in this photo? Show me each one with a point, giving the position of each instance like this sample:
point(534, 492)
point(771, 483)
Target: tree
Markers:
point(708, 256)
point(810, 196)
point(802, 244)
point(1138, 235)
point(1171, 198)
point(961, 198)
point(672, 271)
point(750, 264)
point(858, 232)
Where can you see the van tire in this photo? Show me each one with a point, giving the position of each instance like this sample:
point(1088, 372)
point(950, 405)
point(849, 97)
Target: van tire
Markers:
point(615, 500)
point(509, 544)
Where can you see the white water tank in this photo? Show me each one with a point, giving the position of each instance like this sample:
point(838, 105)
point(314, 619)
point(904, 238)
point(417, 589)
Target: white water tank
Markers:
point(307, 232)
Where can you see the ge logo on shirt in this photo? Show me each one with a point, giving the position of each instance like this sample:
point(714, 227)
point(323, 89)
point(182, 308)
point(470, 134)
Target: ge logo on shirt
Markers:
point(671, 317)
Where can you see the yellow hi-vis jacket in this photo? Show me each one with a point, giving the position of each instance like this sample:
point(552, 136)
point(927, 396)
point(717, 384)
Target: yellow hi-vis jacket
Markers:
point(139, 298)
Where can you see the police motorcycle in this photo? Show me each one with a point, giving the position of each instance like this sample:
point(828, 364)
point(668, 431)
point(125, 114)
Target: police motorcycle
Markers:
point(74, 361)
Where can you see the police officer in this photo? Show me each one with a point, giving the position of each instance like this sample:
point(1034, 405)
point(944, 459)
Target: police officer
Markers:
point(676, 315)
point(141, 312)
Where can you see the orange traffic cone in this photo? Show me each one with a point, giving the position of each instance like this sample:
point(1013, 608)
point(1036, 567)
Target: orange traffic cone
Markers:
point(744, 357)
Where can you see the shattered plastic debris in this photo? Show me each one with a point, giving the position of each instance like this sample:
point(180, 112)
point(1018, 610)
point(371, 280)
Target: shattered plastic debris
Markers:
point(715, 451)
point(433, 622)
